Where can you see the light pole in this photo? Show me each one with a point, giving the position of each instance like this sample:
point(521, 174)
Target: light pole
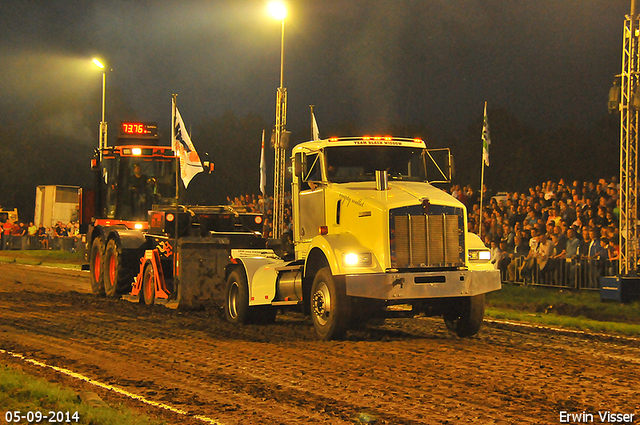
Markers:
point(279, 11)
point(102, 137)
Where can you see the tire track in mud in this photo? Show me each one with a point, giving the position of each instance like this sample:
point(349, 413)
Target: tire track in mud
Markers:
point(233, 378)
point(408, 371)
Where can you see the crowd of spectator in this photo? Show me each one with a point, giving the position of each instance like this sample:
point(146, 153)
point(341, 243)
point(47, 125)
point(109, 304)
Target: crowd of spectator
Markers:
point(551, 223)
point(264, 205)
point(37, 237)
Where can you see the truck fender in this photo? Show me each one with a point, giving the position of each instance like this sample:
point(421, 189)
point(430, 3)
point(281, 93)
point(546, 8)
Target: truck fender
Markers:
point(334, 246)
point(260, 267)
point(128, 239)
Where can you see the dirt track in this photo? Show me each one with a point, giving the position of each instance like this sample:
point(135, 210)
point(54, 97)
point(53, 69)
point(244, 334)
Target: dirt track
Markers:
point(409, 371)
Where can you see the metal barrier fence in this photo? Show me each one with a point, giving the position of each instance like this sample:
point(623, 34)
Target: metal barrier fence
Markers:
point(60, 243)
point(560, 273)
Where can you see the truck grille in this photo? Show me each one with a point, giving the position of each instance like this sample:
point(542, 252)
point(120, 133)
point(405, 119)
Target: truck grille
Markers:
point(421, 240)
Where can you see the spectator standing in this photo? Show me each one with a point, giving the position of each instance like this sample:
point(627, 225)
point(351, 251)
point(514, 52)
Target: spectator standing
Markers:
point(43, 238)
point(543, 253)
point(7, 227)
point(51, 233)
point(572, 245)
point(496, 254)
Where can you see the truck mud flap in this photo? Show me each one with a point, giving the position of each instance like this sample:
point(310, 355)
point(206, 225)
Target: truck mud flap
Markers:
point(201, 272)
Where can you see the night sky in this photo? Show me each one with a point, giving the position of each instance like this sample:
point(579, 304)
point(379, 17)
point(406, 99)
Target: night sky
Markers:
point(374, 64)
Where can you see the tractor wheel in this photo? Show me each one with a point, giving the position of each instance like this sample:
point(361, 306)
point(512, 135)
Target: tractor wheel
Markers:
point(117, 277)
point(95, 267)
point(148, 293)
point(466, 316)
point(236, 306)
point(329, 305)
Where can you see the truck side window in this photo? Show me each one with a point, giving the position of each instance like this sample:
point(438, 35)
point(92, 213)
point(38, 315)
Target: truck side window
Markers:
point(312, 171)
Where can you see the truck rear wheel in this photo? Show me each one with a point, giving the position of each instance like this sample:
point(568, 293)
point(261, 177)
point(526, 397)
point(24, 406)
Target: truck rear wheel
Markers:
point(329, 305)
point(95, 267)
point(117, 278)
point(466, 316)
point(236, 306)
point(148, 293)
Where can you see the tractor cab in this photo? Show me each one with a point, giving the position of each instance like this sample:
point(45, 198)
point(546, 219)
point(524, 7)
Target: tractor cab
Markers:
point(135, 178)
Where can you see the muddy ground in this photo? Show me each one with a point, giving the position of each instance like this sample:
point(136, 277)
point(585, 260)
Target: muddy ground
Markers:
point(407, 371)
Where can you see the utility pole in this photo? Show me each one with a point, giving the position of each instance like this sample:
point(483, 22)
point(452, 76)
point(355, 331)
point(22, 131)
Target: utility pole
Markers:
point(629, 146)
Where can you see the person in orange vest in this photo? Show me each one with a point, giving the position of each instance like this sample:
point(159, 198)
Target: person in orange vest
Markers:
point(7, 226)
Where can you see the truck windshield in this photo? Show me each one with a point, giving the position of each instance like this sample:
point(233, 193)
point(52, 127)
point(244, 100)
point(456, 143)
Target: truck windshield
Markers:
point(135, 184)
point(359, 163)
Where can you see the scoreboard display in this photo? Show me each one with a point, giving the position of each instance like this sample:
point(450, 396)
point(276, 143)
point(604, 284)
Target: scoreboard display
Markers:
point(138, 130)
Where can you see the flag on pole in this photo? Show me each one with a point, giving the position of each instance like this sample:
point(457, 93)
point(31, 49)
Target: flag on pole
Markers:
point(316, 132)
point(190, 163)
point(263, 169)
point(486, 140)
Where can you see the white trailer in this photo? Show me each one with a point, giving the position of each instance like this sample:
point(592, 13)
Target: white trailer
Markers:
point(57, 203)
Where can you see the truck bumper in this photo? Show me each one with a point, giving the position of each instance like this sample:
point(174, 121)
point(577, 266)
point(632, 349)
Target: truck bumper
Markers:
point(398, 286)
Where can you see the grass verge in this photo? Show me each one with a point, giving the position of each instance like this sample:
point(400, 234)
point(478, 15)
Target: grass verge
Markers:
point(579, 323)
point(24, 393)
point(51, 258)
point(580, 310)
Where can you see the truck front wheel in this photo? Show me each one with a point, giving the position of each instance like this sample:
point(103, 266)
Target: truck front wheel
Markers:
point(236, 306)
point(95, 266)
point(465, 316)
point(329, 305)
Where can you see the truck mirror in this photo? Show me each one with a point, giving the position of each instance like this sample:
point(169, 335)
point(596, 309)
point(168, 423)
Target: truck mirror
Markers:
point(299, 158)
point(439, 163)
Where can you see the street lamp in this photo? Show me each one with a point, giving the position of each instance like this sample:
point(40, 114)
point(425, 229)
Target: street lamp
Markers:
point(102, 137)
point(279, 11)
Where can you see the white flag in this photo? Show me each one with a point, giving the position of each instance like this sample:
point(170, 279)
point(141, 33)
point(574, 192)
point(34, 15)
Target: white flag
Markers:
point(486, 140)
point(263, 169)
point(190, 163)
point(316, 132)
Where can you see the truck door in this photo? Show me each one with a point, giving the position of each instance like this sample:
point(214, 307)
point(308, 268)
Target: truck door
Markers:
point(311, 198)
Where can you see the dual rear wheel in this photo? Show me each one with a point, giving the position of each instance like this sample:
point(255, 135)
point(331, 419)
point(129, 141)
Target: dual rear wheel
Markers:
point(109, 274)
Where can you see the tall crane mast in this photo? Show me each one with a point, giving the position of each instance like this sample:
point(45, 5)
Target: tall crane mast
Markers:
point(629, 145)
point(280, 142)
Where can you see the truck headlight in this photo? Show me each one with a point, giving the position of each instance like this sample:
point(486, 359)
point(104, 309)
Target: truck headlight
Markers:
point(479, 255)
point(357, 259)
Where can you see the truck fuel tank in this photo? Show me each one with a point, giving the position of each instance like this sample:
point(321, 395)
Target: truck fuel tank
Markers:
point(290, 285)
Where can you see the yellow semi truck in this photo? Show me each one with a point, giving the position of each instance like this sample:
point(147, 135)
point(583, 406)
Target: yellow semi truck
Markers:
point(369, 232)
